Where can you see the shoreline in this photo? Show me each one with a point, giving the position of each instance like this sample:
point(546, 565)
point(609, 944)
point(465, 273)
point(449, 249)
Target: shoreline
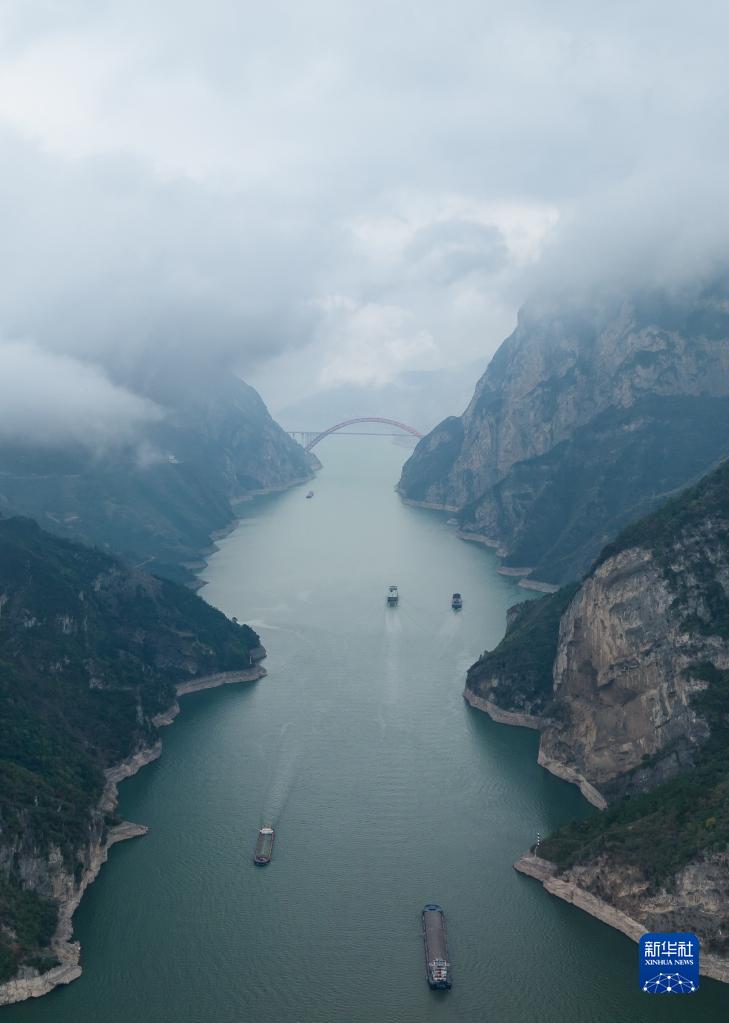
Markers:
point(540, 587)
point(427, 504)
point(569, 774)
point(197, 685)
point(463, 534)
point(204, 553)
point(518, 719)
point(516, 573)
point(502, 717)
point(528, 584)
point(67, 951)
point(249, 495)
point(547, 873)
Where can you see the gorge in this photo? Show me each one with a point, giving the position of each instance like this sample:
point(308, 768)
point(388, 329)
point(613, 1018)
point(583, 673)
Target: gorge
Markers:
point(385, 788)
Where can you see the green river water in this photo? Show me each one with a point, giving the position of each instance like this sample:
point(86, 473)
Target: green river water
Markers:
point(385, 789)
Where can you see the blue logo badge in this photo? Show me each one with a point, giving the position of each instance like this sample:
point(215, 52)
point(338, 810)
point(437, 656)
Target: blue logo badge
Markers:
point(669, 964)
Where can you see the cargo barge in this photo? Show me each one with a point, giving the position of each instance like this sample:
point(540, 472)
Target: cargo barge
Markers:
point(264, 847)
point(437, 967)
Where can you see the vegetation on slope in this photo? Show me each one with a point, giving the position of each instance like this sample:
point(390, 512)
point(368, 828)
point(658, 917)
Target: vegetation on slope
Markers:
point(665, 829)
point(517, 674)
point(708, 499)
point(620, 467)
point(431, 459)
point(158, 504)
point(90, 651)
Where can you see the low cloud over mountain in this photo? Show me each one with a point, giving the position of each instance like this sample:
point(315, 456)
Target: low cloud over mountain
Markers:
point(348, 194)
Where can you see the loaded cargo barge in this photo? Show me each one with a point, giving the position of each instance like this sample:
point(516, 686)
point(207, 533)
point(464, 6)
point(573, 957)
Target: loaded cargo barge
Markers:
point(264, 847)
point(437, 967)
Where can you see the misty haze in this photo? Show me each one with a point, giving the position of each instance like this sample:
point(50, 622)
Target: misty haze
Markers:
point(364, 504)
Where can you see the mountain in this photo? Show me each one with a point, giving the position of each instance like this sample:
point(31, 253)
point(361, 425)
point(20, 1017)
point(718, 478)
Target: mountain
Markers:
point(157, 502)
point(587, 418)
point(92, 655)
point(627, 677)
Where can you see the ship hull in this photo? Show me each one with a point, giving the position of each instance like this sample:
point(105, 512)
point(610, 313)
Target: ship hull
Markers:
point(264, 848)
point(435, 945)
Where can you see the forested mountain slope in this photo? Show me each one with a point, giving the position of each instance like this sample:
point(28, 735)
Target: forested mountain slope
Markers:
point(157, 501)
point(90, 652)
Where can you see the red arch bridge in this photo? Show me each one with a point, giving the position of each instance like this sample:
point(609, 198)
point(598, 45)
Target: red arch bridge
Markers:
point(308, 439)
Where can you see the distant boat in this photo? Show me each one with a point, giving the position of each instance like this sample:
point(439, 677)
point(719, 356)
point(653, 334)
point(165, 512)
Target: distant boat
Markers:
point(310, 494)
point(264, 847)
point(456, 602)
point(437, 967)
point(392, 596)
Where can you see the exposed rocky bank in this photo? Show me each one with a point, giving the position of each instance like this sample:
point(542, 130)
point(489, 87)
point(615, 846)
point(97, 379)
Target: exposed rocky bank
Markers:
point(627, 678)
point(66, 891)
point(619, 900)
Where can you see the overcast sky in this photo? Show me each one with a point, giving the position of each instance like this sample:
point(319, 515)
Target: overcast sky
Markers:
point(332, 193)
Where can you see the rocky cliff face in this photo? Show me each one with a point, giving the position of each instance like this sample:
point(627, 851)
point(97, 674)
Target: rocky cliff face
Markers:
point(635, 710)
point(626, 673)
point(643, 648)
point(619, 667)
point(158, 501)
point(585, 419)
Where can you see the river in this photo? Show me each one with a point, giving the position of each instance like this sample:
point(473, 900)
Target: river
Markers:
point(386, 790)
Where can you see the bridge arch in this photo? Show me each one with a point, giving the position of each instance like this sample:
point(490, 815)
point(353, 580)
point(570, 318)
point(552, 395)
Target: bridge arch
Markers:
point(363, 419)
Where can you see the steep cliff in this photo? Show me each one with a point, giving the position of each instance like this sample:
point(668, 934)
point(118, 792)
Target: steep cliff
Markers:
point(643, 648)
point(516, 677)
point(636, 712)
point(586, 418)
point(91, 655)
point(158, 501)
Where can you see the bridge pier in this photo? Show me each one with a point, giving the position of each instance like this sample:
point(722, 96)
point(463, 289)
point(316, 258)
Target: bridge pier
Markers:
point(303, 437)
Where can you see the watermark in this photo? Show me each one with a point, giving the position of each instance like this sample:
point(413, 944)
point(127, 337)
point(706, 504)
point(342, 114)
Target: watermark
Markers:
point(669, 964)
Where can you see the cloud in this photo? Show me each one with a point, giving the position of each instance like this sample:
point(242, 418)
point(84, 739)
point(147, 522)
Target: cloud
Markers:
point(55, 401)
point(665, 226)
point(451, 250)
point(368, 344)
point(184, 185)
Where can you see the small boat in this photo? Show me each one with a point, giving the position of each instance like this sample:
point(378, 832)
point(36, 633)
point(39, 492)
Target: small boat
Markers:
point(456, 602)
point(435, 942)
point(310, 494)
point(392, 596)
point(264, 847)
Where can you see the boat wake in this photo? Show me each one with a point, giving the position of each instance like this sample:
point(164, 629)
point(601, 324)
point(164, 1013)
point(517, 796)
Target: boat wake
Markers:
point(283, 775)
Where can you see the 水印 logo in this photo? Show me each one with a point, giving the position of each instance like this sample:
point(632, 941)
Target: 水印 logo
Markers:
point(669, 964)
